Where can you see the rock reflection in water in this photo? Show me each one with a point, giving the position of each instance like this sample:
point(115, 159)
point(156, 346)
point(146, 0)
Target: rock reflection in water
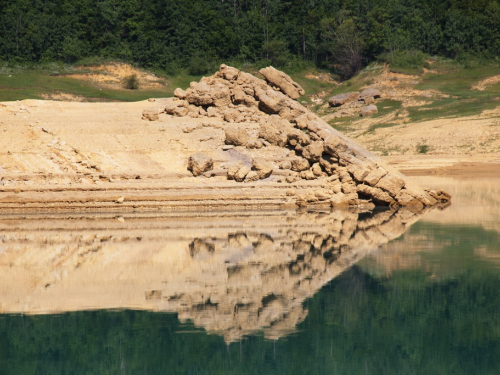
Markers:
point(234, 274)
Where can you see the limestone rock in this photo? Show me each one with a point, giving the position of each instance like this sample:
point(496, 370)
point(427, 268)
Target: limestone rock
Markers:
point(242, 173)
point(391, 184)
point(315, 149)
point(377, 195)
point(203, 94)
point(233, 115)
point(233, 169)
point(283, 81)
point(299, 164)
point(213, 112)
point(296, 136)
point(252, 176)
point(369, 110)
point(254, 143)
point(180, 111)
point(313, 152)
point(150, 114)
point(341, 99)
point(370, 93)
point(374, 176)
point(180, 93)
point(263, 168)
point(172, 106)
point(199, 163)
point(273, 135)
point(236, 136)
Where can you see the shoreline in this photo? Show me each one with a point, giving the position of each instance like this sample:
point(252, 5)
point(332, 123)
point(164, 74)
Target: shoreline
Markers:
point(460, 166)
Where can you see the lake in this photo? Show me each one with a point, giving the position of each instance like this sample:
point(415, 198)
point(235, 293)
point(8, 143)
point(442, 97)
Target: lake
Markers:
point(288, 292)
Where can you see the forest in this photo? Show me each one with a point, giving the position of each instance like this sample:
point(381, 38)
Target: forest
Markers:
point(341, 35)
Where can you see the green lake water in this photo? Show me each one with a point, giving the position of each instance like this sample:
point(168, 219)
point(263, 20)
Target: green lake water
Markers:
point(425, 302)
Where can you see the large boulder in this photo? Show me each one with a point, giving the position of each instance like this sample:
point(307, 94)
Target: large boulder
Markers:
point(176, 107)
point(370, 93)
point(283, 81)
point(263, 168)
point(313, 152)
point(236, 136)
point(369, 110)
point(199, 163)
point(204, 94)
point(341, 99)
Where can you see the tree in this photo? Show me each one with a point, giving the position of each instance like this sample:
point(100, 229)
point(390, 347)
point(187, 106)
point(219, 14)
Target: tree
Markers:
point(345, 43)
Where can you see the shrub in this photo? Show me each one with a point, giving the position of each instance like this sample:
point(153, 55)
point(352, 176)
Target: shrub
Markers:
point(131, 82)
point(422, 149)
point(198, 65)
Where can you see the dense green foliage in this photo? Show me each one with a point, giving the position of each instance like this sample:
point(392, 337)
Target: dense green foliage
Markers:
point(197, 33)
point(360, 323)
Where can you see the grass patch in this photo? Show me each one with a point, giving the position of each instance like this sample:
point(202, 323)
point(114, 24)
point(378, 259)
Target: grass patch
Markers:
point(455, 81)
point(33, 85)
point(310, 85)
point(22, 82)
point(407, 62)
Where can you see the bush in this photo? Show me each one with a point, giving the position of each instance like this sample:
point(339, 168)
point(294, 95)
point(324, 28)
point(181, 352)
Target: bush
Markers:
point(131, 82)
point(198, 65)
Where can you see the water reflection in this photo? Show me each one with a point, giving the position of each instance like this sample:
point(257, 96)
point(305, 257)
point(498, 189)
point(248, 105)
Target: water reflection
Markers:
point(233, 274)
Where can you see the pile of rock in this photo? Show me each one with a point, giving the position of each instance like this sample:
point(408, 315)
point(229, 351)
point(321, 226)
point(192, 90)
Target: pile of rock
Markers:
point(363, 100)
point(315, 151)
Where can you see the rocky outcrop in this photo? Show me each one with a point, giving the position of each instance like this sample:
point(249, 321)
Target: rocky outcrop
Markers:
point(315, 151)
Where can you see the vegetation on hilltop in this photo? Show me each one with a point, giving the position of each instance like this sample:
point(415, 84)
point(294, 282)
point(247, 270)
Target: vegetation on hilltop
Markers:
point(197, 34)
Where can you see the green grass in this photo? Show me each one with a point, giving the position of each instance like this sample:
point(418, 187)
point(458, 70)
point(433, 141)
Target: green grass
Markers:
point(456, 82)
point(310, 85)
point(26, 82)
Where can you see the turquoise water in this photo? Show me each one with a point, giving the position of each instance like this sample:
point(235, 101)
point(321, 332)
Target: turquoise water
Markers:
point(425, 302)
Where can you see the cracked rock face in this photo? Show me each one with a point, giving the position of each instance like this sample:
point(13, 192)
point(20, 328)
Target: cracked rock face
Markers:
point(315, 151)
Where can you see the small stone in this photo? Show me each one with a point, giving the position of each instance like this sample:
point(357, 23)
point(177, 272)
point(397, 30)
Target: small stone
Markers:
point(150, 114)
point(120, 200)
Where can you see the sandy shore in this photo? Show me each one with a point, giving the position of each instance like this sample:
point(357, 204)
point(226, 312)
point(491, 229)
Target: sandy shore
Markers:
point(104, 157)
point(460, 166)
